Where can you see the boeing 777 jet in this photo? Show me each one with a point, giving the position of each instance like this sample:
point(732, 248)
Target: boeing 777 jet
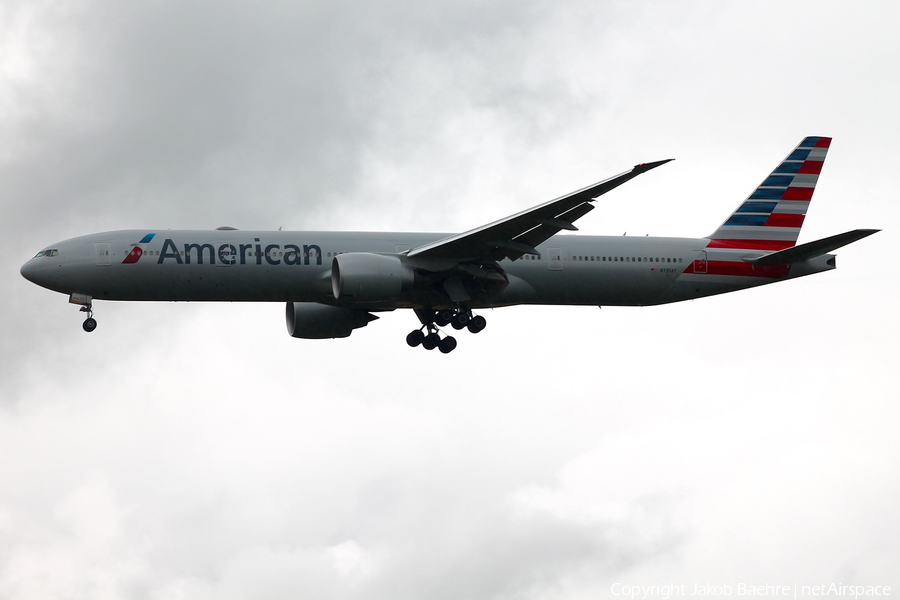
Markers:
point(335, 282)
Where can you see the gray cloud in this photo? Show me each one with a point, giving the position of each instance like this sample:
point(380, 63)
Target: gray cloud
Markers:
point(196, 450)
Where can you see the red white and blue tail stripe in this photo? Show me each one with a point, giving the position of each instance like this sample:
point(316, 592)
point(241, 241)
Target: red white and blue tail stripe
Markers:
point(771, 217)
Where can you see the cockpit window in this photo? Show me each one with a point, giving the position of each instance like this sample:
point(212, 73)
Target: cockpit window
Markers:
point(47, 253)
point(54, 253)
point(40, 254)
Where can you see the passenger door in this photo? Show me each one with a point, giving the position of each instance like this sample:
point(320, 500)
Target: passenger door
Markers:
point(101, 251)
point(554, 259)
point(699, 261)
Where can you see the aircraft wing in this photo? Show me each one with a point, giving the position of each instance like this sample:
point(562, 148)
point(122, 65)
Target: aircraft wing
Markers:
point(520, 233)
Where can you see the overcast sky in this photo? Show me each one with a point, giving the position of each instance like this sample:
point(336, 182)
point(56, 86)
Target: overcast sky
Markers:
point(197, 451)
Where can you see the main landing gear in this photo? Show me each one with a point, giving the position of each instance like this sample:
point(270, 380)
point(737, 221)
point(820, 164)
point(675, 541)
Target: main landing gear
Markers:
point(90, 323)
point(459, 318)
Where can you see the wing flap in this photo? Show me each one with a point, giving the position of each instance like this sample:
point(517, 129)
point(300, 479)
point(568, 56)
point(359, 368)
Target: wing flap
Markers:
point(549, 228)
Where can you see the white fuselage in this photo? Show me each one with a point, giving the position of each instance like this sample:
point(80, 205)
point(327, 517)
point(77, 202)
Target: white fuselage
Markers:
point(266, 266)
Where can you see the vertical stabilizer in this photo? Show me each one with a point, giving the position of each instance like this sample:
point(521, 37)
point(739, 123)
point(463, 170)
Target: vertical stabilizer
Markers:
point(771, 217)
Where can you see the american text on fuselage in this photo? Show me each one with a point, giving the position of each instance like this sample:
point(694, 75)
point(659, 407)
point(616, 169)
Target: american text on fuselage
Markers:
point(230, 254)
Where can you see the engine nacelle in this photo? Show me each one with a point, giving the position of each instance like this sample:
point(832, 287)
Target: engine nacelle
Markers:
point(366, 276)
point(315, 321)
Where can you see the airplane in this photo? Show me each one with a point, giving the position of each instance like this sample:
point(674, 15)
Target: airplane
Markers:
point(335, 282)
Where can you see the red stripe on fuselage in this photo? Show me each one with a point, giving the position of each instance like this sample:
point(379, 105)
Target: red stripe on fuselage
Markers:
point(742, 269)
point(752, 244)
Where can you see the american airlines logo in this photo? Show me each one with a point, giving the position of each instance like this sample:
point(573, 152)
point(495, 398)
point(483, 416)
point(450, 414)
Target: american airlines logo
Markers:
point(136, 251)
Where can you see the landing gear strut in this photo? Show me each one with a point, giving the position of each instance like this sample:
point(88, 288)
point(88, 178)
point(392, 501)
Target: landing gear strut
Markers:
point(459, 318)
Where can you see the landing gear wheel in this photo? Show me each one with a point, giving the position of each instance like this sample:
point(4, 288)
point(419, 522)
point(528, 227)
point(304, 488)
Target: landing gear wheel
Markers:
point(460, 319)
point(477, 324)
point(443, 317)
point(431, 341)
point(89, 324)
point(415, 338)
point(447, 345)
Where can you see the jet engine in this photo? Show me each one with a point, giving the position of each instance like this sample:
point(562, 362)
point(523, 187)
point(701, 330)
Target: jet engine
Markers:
point(366, 276)
point(314, 321)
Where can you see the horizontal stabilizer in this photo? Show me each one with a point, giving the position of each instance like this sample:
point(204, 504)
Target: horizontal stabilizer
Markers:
point(812, 249)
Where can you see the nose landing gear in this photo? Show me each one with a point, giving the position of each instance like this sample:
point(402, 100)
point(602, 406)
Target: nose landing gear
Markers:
point(90, 323)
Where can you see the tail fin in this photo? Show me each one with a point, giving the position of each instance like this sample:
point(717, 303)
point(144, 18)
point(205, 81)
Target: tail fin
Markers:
point(770, 218)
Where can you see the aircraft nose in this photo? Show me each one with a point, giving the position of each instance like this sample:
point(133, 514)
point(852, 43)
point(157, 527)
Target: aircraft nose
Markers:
point(29, 271)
